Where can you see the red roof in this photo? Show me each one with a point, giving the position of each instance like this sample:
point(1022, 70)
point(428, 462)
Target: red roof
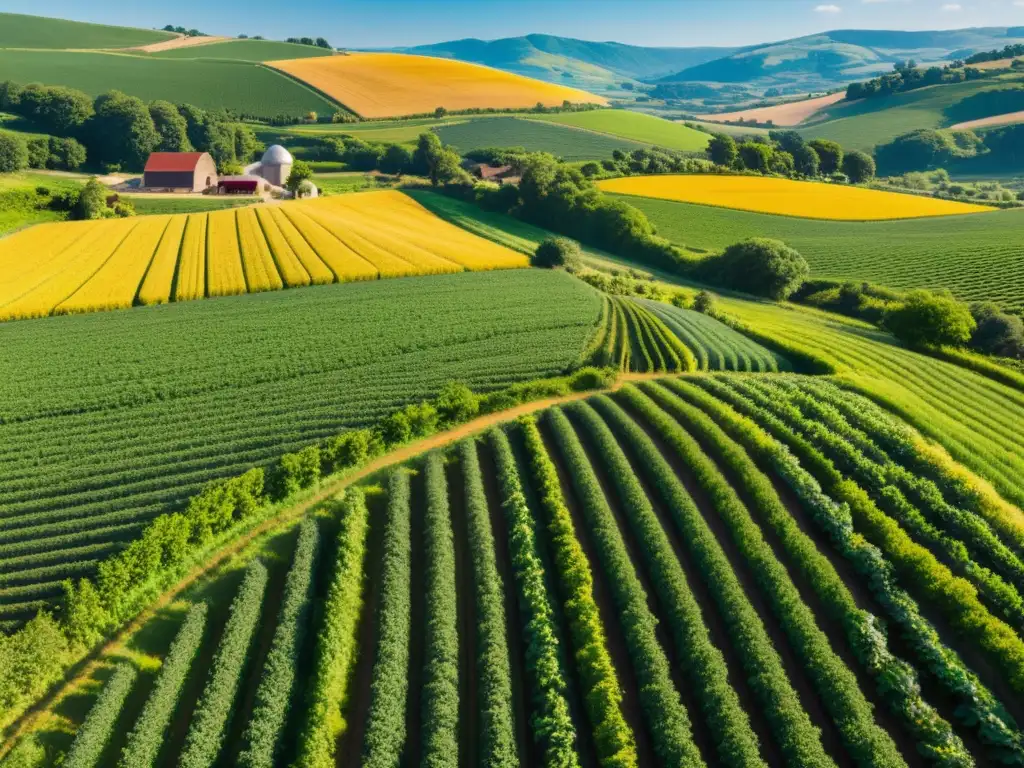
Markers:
point(173, 161)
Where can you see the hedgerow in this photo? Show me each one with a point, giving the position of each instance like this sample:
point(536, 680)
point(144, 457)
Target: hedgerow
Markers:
point(440, 694)
point(147, 736)
point(385, 723)
point(552, 724)
point(212, 714)
point(99, 724)
point(666, 717)
point(896, 680)
point(976, 706)
point(336, 644)
point(275, 692)
point(798, 738)
point(602, 694)
point(497, 741)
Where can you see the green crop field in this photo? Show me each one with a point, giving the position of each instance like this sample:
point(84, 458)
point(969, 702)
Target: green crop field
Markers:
point(245, 50)
point(150, 204)
point(535, 136)
point(89, 456)
point(866, 123)
point(244, 87)
point(20, 31)
point(634, 126)
point(980, 257)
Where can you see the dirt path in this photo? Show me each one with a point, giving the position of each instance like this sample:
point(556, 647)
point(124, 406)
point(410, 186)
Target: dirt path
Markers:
point(1005, 119)
point(790, 113)
point(179, 42)
point(86, 668)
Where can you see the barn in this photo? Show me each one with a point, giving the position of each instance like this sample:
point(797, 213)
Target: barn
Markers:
point(193, 171)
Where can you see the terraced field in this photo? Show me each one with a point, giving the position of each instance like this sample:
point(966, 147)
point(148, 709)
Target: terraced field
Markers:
point(668, 575)
point(128, 414)
point(115, 264)
point(977, 257)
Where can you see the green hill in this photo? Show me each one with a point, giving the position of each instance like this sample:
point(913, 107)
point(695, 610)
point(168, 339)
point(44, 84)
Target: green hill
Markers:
point(20, 31)
point(242, 87)
point(245, 50)
point(535, 136)
point(634, 126)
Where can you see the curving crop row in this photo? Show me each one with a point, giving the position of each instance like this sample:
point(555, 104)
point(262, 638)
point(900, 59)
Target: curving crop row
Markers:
point(440, 696)
point(497, 743)
point(336, 644)
point(276, 690)
point(552, 724)
point(665, 715)
point(976, 706)
point(385, 724)
point(602, 694)
point(896, 680)
point(213, 712)
point(99, 724)
point(147, 735)
point(798, 738)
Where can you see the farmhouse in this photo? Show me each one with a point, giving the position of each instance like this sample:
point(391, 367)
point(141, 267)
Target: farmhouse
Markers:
point(192, 171)
point(499, 174)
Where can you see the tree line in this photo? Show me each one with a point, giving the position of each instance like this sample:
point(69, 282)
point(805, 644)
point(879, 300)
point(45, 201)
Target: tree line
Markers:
point(907, 76)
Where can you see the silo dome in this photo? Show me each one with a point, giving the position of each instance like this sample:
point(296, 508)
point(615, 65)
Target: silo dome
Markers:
point(277, 155)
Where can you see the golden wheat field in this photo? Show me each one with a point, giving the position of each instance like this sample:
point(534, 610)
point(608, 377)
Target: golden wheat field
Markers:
point(87, 266)
point(784, 197)
point(396, 84)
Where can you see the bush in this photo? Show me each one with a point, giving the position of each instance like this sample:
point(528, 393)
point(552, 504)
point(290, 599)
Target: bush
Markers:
point(722, 149)
point(456, 404)
point(760, 266)
point(997, 333)
point(830, 155)
point(590, 378)
point(557, 252)
point(858, 166)
point(704, 302)
point(13, 153)
point(927, 319)
point(98, 727)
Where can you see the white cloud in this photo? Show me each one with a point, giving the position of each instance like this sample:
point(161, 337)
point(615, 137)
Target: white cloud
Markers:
point(952, 7)
point(1019, 3)
point(830, 8)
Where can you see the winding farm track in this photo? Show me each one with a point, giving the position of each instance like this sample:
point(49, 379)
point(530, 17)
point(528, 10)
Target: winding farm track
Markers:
point(179, 42)
point(86, 667)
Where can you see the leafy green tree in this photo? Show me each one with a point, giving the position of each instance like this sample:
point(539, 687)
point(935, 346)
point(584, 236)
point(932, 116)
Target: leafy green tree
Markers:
point(10, 95)
point(830, 155)
point(859, 166)
point(301, 171)
point(122, 130)
point(787, 141)
point(997, 333)
point(65, 154)
point(722, 149)
point(781, 163)
point(247, 144)
point(397, 159)
point(556, 252)
point(927, 319)
point(806, 161)
point(755, 156)
point(55, 109)
point(13, 153)
point(171, 126)
point(915, 151)
point(38, 148)
point(760, 266)
point(92, 202)
point(440, 112)
point(704, 302)
point(443, 164)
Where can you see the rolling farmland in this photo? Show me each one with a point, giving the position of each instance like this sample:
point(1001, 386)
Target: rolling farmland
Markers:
point(634, 126)
point(21, 31)
point(245, 50)
point(978, 258)
point(115, 264)
point(785, 197)
point(224, 385)
point(534, 136)
point(395, 84)
point(496, 601)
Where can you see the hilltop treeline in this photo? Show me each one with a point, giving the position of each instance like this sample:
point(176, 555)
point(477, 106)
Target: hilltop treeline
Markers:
point(115, 131)
point(907, 76)
point(1009, 52)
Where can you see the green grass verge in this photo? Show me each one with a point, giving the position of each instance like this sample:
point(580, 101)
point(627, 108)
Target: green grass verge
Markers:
point(21, 31)
point(147, 204)
point(634, 126)
point(245, 50)
point(535, 136)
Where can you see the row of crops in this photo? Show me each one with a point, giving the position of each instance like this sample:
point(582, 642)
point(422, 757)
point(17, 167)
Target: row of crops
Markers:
point(76, 267)
point(646, 336)
point(130, 414)
point(708, 570)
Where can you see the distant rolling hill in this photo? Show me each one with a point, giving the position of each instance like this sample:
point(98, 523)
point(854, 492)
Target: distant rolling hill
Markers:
point(561, 58)
point(843, 55)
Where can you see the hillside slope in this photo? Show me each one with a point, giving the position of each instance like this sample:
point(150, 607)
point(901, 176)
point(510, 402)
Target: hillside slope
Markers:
point(21, 31)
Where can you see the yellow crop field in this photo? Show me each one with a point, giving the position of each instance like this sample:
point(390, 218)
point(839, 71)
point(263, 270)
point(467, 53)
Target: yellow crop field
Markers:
point(396, 84)
point(806, 199)
point(87, 266)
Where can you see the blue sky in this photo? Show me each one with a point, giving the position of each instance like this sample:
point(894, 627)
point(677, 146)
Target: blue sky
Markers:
point(380, 23)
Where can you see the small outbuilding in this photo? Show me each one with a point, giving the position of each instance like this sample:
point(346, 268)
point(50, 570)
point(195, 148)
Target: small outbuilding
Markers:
point(276, 165)
point(192, 171)
point(238, 185)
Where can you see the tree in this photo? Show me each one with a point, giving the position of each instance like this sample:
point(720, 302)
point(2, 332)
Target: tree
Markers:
point(443, 164)
point(760, 266)
point(13, 153)
point(829, 153)
point(65, 154)
point(456, 403)
point(556, 252)
point(918, 150)
point(722, 149)
point(171, 127)
point(788, 141)
point(92, 202)
point(704, 302)
point(755, 156)
point(122, 130)
point(859, 166)
point(997, 333)
point(55, 109)
point(927, 319)
point(440, 112)
point(38, 151)
point(397, 159)
point(322, 43)
point(806, 161)
point(247, 144)
point(10, 95)
point(300, 173)
point(781, 163)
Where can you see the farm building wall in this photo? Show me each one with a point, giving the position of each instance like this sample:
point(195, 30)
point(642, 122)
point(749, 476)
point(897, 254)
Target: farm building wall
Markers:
point(202, 176)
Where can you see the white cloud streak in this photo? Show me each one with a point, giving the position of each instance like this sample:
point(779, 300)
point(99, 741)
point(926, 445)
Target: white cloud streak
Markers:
point(830, 8)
